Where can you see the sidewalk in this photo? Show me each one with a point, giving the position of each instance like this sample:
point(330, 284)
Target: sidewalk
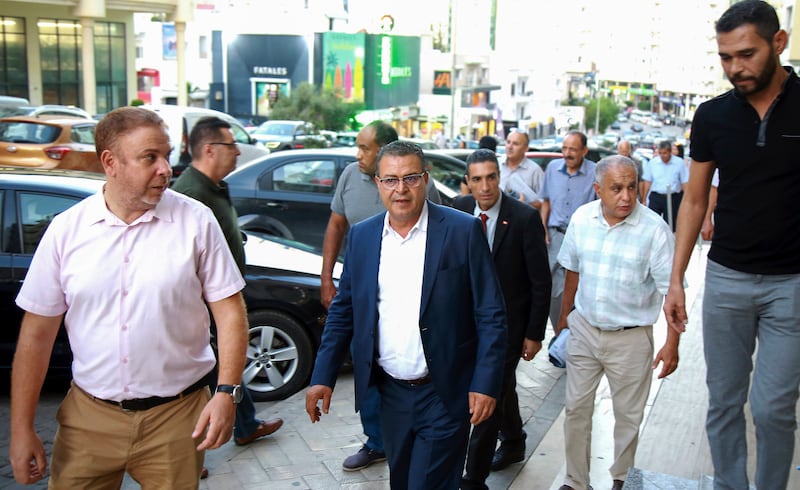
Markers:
point(305, 456)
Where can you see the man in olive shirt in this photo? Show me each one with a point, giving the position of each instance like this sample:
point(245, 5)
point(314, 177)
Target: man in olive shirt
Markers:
point(214, 154)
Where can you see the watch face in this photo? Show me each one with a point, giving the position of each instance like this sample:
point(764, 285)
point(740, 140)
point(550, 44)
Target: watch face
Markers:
point(237, 393)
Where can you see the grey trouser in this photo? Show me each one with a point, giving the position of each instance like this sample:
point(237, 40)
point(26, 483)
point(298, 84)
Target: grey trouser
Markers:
point(741, 310)
point(557, 274)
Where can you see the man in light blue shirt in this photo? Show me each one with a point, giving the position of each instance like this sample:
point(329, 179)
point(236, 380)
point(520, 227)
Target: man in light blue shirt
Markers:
point(618, 258)
point(568, 184)
point(665, 176)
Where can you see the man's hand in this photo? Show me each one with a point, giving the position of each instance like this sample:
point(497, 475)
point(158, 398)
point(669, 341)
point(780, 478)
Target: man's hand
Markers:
point(480, 406)
point(216, 420)
point(313, 395)
point(669, 356)
point(28, 457)
point(707, 231)
point(675, 308)
point(530, 348)
point(327, 292)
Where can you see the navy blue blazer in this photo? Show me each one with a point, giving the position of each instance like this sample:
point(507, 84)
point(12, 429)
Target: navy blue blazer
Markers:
point(462, 317)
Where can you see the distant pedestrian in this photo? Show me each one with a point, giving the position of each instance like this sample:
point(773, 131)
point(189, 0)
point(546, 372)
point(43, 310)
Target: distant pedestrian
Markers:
point(664, 177)
point(520, 177)
point(488, 142)
point(568, 184)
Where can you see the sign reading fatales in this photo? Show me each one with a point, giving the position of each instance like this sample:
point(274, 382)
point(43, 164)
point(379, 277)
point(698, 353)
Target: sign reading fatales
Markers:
point(279, 71)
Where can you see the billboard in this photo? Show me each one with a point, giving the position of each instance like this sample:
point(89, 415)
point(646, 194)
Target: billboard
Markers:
point(343, 64)
point(392, 75)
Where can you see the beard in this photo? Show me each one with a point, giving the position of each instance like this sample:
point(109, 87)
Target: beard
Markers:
point(761, 80)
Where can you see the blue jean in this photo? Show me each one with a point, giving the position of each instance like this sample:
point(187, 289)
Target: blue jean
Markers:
point(246, 421)
point(740, 311)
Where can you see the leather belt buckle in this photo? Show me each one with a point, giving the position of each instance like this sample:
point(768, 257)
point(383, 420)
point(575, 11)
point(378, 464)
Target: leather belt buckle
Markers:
point(419, 381)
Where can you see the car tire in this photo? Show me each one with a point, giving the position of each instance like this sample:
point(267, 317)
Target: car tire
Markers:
point(279, 356)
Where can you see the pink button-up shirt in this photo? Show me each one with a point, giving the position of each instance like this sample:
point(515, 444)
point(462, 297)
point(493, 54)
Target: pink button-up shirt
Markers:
point(133, 294)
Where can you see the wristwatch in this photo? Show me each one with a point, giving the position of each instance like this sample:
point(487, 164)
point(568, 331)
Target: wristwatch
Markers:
point(235, 391)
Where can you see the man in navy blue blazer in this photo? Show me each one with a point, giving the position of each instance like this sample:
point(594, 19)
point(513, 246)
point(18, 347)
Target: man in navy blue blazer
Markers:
point(419, 298)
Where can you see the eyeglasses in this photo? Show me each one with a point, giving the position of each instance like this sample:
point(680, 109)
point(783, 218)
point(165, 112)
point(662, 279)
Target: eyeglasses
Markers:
point(409, 181)
point(230, 145)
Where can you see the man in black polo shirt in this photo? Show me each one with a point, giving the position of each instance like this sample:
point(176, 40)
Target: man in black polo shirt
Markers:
point(752, 293)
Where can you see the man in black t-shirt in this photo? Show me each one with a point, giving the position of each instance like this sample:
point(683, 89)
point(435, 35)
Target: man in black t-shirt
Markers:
point(752, 290)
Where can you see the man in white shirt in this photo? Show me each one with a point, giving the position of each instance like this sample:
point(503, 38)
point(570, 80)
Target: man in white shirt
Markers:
point(520, 177)
point(420, 301)
point(618, 258)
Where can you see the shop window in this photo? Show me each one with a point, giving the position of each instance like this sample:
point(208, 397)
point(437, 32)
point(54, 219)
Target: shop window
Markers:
point(13, 59)
point(59, 48)
point(110, 59)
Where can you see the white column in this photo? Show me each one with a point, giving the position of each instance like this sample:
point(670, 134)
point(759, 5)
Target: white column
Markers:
point(181, 15)
point(87, 11)
point(87, 66)
point(180, 63)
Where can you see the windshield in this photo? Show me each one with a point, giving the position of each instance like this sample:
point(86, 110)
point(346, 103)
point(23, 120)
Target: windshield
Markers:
point(276, 129)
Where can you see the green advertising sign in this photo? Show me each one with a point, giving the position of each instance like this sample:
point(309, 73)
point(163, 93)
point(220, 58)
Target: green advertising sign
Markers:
point(392, 75)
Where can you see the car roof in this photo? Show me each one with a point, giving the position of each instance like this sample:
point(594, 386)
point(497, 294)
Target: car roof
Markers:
point(51, 119)
point(73, 181)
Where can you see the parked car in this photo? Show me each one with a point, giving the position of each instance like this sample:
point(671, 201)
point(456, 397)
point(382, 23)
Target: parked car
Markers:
point(282, 293)
point(543, 158)
point(637, 128)
point(26, 109)
point(289, 193)
point(180, 121)
point(422, 143)
point(346, 138)
point(289, 135)
point(49, 142)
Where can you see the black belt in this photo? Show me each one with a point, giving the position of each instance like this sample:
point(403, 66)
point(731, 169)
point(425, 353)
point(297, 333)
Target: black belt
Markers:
point(139, 404)
point(672, 194)
point(560, 229)
point(412, 382)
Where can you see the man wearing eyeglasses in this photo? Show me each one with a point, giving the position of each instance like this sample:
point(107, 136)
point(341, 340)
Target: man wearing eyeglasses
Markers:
point(355, 200)
point(214, 153)
point(423, 309)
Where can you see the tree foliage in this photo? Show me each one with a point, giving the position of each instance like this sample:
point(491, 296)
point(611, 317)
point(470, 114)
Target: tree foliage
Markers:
point(325, 108)
point(608, 113)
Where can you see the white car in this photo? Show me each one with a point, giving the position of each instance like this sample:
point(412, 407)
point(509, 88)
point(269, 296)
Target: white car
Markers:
point(180, 121)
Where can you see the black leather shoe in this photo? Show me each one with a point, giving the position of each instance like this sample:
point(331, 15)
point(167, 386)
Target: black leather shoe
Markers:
point(506, 455)
point(618, 485)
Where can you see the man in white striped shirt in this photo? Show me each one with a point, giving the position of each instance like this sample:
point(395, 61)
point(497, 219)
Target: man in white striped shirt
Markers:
point(618, 257)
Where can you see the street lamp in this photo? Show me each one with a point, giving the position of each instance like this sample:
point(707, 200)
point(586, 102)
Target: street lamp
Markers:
point(597, 100)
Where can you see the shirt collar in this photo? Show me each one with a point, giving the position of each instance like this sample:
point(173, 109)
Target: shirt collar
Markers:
point(420, 226)
point(98, 210)
point(563, 168)
point(632, 219)
point(493, 212)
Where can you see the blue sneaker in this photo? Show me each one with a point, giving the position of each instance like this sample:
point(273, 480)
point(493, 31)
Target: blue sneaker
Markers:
point(363, 458)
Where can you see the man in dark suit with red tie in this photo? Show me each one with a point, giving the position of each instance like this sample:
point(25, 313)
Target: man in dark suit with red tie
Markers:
point(516, 238)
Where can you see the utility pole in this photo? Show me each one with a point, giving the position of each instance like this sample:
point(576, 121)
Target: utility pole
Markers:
point(597, 100)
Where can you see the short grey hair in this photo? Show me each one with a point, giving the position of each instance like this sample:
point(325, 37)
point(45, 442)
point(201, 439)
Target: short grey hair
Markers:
point(613, 161)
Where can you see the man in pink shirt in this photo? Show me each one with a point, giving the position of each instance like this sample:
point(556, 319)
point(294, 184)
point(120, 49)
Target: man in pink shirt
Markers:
point(129, 271)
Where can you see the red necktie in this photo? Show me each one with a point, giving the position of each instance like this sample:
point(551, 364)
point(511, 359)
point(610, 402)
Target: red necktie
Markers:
point(484, 218)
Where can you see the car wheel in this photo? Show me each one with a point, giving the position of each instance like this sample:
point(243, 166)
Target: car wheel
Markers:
point(279, 356)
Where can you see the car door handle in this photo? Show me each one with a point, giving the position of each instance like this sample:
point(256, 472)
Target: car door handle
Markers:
point(273, 204)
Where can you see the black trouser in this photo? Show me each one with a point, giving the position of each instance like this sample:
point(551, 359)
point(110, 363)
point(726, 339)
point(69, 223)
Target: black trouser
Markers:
point(658, 203)
point(506, 418)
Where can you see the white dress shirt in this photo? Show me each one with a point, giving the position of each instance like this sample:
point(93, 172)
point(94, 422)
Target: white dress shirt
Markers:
point(402, 262)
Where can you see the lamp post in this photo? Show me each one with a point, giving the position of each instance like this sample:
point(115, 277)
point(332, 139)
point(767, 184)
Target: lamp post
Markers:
point(597, 100)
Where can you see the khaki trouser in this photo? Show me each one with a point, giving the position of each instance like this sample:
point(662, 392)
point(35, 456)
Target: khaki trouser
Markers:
point(625, 357)
point(96, 443)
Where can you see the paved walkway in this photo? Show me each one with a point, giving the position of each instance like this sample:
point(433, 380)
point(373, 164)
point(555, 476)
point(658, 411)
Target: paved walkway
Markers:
point(305, 456)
